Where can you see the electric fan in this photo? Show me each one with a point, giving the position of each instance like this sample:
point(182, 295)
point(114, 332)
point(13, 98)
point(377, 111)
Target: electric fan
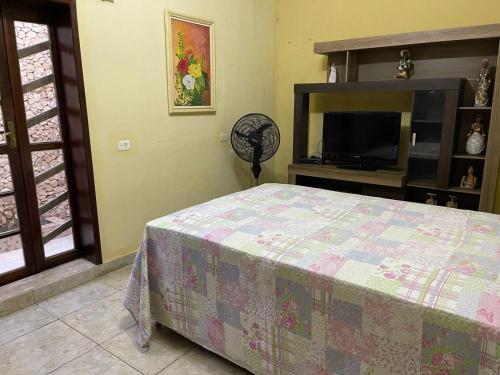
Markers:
point(255, 138)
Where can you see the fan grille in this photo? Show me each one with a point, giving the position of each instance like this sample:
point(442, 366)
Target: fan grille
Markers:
point(248, 124)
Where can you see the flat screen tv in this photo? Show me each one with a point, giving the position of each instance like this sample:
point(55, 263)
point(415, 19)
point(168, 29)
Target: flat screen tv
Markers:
point(364, 140)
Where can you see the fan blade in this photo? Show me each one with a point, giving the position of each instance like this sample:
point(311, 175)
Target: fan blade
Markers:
point(264, 127)
point(241, 135)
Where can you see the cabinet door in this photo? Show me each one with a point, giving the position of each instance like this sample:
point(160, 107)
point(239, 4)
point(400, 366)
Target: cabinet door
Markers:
point(427, 120)
point(426, 131)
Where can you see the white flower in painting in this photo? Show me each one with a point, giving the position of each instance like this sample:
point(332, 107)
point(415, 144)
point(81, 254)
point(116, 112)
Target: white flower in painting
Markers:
point(188, 81)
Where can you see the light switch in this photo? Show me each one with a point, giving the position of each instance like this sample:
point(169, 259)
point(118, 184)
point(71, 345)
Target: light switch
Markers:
point(124, 145)
point(222, 137)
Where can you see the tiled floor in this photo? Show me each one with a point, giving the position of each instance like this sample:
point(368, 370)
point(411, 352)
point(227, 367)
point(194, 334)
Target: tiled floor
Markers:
point(87, 331)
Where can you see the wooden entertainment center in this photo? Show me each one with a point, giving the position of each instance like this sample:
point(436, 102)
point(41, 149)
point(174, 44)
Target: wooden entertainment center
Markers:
point(447, 64)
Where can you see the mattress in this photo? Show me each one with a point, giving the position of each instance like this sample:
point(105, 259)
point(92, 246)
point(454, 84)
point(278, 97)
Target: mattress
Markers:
point(284, 279)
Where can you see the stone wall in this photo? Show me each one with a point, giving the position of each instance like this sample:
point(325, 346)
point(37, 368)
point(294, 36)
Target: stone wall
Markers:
point(36, 102)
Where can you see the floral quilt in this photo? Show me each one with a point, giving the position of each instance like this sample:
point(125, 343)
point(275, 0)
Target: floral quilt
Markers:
point(284, 279)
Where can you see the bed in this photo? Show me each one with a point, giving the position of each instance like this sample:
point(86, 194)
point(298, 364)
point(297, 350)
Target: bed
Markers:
point(285, 279)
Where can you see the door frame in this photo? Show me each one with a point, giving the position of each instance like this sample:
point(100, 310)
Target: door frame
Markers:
point(61, 17)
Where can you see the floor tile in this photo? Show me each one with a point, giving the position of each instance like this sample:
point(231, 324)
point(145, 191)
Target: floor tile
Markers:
point(22, 322)
point(43, 350)
point(117, 279)
point(101, 320)
point(200, 361)
point(74, 299)
point(96, 362)
point(165, 346)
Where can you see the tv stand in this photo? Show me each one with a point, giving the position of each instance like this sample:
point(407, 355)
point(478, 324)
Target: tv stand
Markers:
point(357, 167)
point(388, 178)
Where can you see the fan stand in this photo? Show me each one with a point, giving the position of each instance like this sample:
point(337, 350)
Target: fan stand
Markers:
point(252, 179)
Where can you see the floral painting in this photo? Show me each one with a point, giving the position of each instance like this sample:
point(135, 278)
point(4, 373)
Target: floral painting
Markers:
point(191, 72)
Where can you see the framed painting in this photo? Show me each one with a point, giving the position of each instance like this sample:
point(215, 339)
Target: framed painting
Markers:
point(190, 64)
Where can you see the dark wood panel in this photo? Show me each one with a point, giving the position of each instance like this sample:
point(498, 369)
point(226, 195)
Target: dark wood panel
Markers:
point(381, 177)
point(42, 117)
point(300, 127)
point(492, 163)
point(44, 146)
point(352, 66)
point(31, 50)
point(32, 86)
point(437, 61)
point(72, 96)
point(391, 85)
point(491, 31)
point(447, 134)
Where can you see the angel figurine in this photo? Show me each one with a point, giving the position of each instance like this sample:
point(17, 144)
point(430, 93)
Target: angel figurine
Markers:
point(332, 78)
point(452, 201)
point(405, 68)
point(476, 138)
point(483, 85)
point(469, 181)
point(431, 199)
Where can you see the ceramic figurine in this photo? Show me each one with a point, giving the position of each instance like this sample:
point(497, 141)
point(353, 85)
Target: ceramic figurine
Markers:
point(469, 181)
point(483, 85)
point(452, 201)
point(332, 78)
point(431, 199)
point(405, 68)
point(476, 138)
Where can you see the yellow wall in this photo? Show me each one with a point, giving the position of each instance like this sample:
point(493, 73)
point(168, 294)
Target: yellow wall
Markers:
point(302, 23)
point(175, 161)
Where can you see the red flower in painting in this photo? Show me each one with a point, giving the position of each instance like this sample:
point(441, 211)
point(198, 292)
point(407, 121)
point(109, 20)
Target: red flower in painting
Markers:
point(183, 66)
point(189, 52)
point(437, 358)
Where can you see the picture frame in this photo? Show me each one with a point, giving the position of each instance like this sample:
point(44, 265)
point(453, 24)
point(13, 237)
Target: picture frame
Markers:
point(190, 64)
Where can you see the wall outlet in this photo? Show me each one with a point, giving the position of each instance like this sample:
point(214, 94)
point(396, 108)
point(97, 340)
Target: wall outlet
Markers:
point(223, 137)
point(124, 145)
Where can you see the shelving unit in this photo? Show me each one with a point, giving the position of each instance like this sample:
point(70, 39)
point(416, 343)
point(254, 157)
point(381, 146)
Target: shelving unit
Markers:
point(447, 64)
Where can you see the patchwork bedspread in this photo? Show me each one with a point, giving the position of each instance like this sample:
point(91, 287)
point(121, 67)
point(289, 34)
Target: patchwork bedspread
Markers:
point(285, 279)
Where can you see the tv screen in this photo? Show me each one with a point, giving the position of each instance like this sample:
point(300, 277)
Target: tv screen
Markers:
point(363, 138)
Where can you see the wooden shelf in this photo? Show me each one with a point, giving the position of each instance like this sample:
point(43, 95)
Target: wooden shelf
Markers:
point(457, 189)
point(391, 178)
point(470, 157)
point(391, 85)
point(424, 156)
point(474, 109)
point(439, 122)
point(427, 184)
point(408, 39)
